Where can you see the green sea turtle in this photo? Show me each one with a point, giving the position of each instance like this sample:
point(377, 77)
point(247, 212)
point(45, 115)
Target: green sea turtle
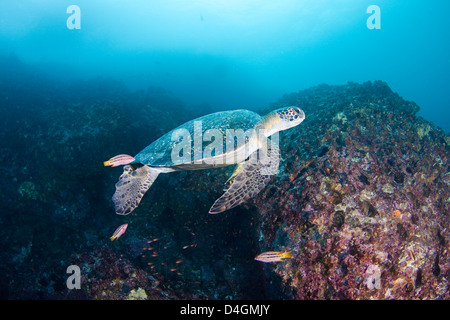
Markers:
point(216, 140)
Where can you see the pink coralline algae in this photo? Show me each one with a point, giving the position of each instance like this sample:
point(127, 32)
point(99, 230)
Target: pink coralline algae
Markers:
point(363, 200)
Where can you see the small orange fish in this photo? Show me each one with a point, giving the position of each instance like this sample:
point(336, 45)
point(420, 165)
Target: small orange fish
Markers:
point(185, 247)
point(179, 261)
point(119, 231)
point(273, 256)
point(118, 160)
point(173, 269)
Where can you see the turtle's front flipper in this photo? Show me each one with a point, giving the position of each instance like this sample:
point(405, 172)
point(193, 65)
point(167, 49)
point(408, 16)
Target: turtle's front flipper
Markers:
point(252, 177)
point(133, 183)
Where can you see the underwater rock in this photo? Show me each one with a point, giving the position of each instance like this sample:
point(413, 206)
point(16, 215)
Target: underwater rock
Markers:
point(108, 275)
point(55, 193)
point(138, 294)
point(376, 198)
point(28, 190)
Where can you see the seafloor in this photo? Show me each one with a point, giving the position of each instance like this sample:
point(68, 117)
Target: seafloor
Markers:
point(361, 198)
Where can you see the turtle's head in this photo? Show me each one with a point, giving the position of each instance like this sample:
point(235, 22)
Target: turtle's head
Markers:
point(282, 119)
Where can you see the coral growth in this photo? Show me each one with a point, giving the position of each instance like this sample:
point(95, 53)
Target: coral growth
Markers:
point(108, 275)
point(362, 199)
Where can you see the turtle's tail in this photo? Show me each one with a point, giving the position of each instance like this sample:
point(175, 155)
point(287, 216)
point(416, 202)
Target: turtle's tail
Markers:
point(119, 160)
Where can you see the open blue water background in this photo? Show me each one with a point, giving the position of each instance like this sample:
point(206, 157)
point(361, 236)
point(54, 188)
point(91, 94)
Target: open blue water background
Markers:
point(239, 54)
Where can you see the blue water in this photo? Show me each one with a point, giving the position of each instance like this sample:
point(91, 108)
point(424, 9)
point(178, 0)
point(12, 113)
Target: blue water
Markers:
point(232, 54)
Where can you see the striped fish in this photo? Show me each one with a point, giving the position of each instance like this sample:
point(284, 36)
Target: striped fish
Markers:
point(273, 256)
point(119, 231)
point(119, 160)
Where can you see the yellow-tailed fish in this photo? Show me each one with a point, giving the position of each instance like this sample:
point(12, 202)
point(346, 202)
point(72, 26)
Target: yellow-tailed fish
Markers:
point(273, 256)
point(119, 160)
point(119, 231)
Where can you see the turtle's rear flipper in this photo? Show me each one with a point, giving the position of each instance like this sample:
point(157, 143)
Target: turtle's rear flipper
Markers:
point(135, 180)
point(251, 178)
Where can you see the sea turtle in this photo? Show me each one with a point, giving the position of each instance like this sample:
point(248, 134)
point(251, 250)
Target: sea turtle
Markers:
point(219, 139)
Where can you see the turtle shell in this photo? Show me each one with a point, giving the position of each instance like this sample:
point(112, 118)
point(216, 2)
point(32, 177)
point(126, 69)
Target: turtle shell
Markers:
point(195, 134)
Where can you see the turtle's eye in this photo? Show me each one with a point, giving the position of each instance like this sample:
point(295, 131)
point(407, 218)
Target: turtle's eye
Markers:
point(298, 113)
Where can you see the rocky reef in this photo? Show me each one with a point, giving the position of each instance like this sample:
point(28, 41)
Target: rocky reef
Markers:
point(361, 199)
